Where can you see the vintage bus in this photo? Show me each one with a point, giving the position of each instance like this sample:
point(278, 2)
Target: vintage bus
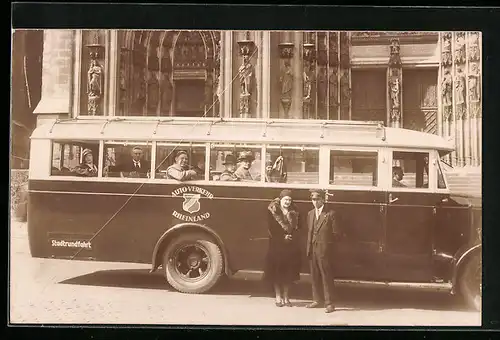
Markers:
point(201, 228)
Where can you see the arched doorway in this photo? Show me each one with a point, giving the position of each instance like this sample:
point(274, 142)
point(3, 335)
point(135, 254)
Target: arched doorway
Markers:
point(169, 73)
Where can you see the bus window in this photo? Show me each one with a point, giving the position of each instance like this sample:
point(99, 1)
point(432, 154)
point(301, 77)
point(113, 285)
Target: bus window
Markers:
point(292, 164)
point(353, 168)
point(238, 162)
point(409, 169)
point(75, 158)
point(127, 159)
point(181, 162)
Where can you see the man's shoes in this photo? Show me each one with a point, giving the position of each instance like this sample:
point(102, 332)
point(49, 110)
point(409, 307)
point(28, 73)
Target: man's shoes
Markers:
point(315, 304)
point(329, 309)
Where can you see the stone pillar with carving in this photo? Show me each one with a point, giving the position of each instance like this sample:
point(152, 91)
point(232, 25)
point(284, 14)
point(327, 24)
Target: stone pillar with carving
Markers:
point(322, 75)
point(395, 78)
point(474, 94)
point(166, 87)
point(308, 106)
point(217, 88)
point(460, 95)
point(286, 77)
point(446, 85)
point(246, 76)
point(123, 83)
point(333, 76)
point(95, 73)
point(345, 76)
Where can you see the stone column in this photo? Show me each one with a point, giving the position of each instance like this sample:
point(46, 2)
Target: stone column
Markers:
point(57, 75)
point(94, 73)
point(226, 88)
point(112, 64)
point(395, 81)
point(474, 94)
point(298, 88)
point(265, 87)
point(446, 87)
point(287, 77)
point(246, 77)
point(345, 75)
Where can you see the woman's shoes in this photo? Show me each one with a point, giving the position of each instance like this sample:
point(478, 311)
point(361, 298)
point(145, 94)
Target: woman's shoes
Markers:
point(283, 303)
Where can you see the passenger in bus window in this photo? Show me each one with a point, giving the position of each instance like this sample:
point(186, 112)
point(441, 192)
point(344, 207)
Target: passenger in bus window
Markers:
point(276, 173)
point(136, 167)
point(283, 256)
point(199, 167)
point(230, 165)
point(87, 168)
point(397, 177)
point(180, 169)
point(245, 160)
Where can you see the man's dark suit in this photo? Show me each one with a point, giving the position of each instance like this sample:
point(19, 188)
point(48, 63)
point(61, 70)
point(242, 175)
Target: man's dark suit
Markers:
point(321, 236)
point(129, 167)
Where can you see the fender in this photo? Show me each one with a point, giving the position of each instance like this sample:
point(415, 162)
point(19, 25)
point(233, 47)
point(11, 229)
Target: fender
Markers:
point(460, 259)
point(177, 228)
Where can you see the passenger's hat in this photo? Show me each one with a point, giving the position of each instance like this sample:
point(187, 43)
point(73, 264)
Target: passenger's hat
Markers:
point(286, 193)
point(85, 152)
point(229, 159)
point(246, 156)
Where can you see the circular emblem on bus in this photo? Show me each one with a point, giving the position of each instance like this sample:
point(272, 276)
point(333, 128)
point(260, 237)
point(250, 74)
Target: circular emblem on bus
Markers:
point(191, 206)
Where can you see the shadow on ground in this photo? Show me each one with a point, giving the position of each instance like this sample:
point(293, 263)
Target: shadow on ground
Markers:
point(347, 297)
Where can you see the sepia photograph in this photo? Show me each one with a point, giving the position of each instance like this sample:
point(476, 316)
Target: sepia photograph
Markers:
point(246, 177)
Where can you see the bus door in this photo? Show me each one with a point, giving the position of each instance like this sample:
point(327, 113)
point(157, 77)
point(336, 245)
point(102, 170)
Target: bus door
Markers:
point(410, 218)
point(359, 206)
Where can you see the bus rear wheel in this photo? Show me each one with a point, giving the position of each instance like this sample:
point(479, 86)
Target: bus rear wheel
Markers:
point(193, 263)
point(471, 282)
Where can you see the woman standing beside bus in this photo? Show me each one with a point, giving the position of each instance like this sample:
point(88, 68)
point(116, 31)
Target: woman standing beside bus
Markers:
point(283, 257)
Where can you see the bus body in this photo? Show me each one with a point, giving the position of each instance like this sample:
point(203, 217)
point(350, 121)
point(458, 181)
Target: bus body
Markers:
point(201, 229)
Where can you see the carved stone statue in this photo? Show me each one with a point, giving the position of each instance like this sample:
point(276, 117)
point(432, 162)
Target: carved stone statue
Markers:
point(395, 90)
point(460, 48)
point(474, 47)
point(246, 72)
point(446, 89)
point(460, 87)
point(94, 87)
point(286, 84)
point(345, 89)
point(446, 51)
point(307, 82)
point(333, 89)
point(395, 58)
point(474, 94)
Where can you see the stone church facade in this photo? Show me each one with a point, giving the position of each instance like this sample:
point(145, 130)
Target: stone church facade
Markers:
point(426, 81)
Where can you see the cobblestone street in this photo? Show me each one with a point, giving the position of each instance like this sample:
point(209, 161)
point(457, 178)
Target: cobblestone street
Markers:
point(62, 291)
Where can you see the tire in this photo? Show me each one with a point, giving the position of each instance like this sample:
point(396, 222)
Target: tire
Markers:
point(471, 282)
point(193, 263)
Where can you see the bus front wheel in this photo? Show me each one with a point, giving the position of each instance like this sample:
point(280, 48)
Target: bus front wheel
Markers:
point(193, 263)
point(471, 282)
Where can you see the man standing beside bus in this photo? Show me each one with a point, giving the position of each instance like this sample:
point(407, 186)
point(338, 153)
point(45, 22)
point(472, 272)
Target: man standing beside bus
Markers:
point(321, 235)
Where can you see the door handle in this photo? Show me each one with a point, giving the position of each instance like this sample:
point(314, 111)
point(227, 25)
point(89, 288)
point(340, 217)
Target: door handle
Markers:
point(444, 200)
point(392, 200)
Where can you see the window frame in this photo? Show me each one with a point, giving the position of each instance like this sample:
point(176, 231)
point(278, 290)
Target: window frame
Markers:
point(431, 175)
point(327, 168)
point(66, 141)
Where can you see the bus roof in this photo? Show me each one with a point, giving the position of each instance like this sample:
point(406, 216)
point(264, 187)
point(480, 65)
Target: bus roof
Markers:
point(235, 130)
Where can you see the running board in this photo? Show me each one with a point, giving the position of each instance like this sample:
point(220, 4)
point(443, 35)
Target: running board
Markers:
point(430, 286)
